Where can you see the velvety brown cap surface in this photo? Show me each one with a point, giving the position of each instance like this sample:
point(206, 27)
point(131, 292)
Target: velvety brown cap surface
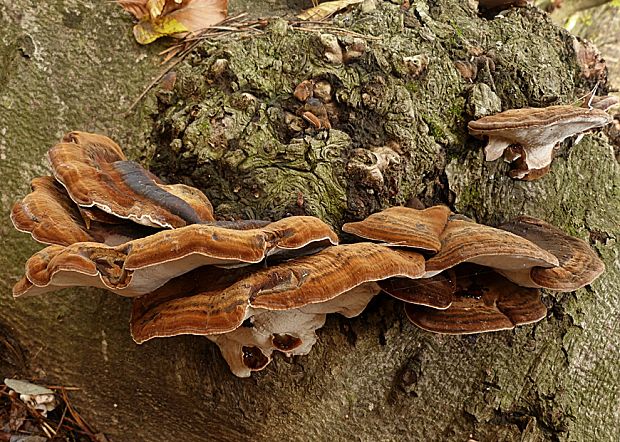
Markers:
point(95, 172)
point(484, 302)
point(403, 226)
point(465, 241)
point(578, 263)
point(327, 274)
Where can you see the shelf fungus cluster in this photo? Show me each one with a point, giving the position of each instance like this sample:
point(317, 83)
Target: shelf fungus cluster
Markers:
point(527, 137)
point(478, 278)
point(257, 287)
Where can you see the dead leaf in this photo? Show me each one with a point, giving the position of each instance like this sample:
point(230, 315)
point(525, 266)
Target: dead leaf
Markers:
point(175, 18)
point(137, 8)
point(326, 9)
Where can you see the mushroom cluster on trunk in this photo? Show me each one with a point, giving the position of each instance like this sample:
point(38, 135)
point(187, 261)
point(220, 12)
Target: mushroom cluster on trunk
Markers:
point(254, 287)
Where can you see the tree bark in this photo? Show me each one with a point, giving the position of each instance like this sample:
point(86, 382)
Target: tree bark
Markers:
point(398, 132)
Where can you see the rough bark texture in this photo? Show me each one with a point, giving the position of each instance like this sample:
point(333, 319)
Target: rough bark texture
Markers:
point(377, 377)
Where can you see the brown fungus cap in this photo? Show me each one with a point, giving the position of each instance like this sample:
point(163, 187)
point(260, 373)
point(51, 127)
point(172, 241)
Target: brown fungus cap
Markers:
point(484, 301)
point(327, 274)
point(578, 263)
point(198, 303)
point(436, 292)
point(96, 173)
point(140, 266)
point(315, 284)
point(192, 303)
point(403, 226)
point(536, 130)
point(466, 241)
point(51, 217)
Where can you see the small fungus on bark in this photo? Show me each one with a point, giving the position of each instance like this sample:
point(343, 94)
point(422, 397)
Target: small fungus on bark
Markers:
point(536, 130)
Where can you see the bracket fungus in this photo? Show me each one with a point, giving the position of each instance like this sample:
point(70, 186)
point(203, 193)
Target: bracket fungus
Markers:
point(95, 173)
point(536, 131)
point(466, 241)
point(578, 264)
point(305, 282)
point(258, 287)
point(142, 265)
point(283, 303)
point(456, 295)
point(403, 226)
point(49, 215)
point(483, 302)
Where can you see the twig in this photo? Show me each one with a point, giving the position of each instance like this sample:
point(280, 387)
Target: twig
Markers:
point(153, 83)
point(80, 422)
point(62, 419)
point(61, 387)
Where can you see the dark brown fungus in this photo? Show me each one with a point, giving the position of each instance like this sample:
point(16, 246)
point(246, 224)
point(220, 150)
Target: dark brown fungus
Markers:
point(483, 302)
point(436, 292)
point(578, 263)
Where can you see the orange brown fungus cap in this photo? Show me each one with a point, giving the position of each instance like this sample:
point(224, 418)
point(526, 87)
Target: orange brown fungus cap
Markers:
point(326, 275)
point(578, 263)
point(403, 226)
point(141, 266)
point(50, 216)
point(96, 173)
point(466, 241)
point(311, 281)
point(436, 292)
point(483, 302)
point(192, 303)
point(536, 130)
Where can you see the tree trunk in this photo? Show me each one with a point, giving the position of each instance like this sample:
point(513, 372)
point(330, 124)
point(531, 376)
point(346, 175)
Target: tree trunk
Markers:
point(398, 132)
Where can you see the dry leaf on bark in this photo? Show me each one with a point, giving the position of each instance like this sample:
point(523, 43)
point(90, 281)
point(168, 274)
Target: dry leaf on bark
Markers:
point(174, 18)
point(326, 9)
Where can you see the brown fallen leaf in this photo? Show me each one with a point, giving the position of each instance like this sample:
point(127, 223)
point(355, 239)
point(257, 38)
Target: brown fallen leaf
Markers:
point(174, 18)
point(137, 8)
point(326, 9)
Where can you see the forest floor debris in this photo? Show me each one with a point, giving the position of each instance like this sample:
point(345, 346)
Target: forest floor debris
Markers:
point(20, 421)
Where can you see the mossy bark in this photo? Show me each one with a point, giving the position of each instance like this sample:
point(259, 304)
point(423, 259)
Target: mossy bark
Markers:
point(399, 132)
